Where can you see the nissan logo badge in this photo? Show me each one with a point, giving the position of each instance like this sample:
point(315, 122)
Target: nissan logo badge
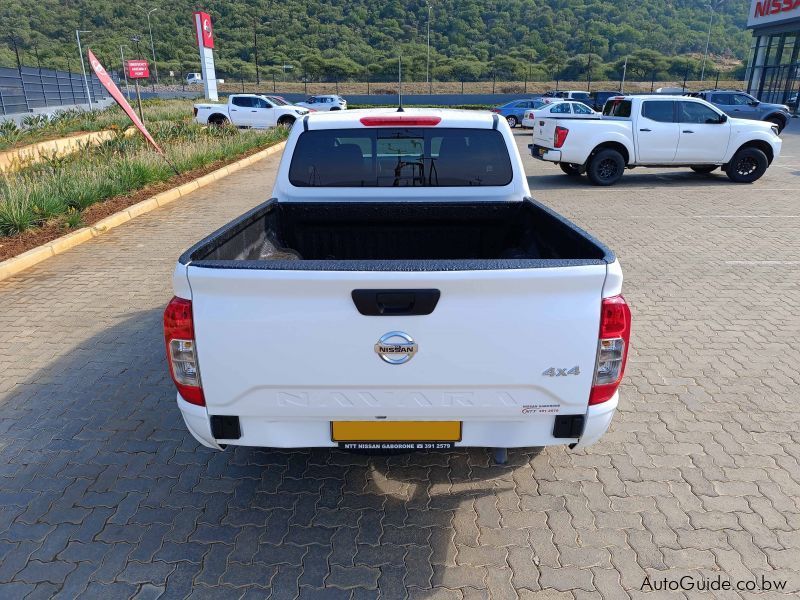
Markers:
point(396, 348)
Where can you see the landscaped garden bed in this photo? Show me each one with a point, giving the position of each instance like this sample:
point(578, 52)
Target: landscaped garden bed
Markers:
point(40, 128)
point(43, 201)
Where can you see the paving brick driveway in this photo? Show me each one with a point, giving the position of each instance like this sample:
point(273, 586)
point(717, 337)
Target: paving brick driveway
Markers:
point(103, 493)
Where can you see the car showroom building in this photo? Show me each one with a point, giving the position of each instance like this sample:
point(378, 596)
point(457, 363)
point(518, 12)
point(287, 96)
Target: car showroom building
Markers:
point(773, 73)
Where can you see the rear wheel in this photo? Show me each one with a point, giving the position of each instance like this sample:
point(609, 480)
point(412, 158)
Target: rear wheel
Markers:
point(777, 121)
point(217, 120)
point(703, 168)
point(512, 121)
point(606, 167)
point(286, 121)
point(747, 165)
point(570, 169)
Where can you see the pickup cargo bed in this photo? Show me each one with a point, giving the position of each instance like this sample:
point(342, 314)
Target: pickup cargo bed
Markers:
point(382, 236)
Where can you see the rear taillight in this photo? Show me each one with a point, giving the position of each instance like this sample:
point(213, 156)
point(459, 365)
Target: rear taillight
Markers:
point(560, 136)
point(495, 110)
point(195, 111)
point(612, 348)
point(181, 351)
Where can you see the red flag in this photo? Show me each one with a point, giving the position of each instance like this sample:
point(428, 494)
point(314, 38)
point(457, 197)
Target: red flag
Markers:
point(112, 88)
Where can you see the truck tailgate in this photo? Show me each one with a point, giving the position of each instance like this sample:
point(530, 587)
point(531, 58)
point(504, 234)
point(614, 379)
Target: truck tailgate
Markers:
point(499, 345)
point(544, 132)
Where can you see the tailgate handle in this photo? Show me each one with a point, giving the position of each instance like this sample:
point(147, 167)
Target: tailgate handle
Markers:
point(392, 303)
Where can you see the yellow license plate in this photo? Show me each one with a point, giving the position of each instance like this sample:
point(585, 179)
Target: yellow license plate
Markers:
point(396, 431)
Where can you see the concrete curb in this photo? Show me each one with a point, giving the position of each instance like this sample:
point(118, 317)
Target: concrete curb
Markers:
point(14, 265)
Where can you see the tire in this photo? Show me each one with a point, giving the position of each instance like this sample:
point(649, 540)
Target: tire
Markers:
point(512, 121)
point(703, 168)
point(747, 165)
point(777, 121)
point(286, 122)
point(571, 169)
point(606, 167)
point(337, 108)
point(217, 120)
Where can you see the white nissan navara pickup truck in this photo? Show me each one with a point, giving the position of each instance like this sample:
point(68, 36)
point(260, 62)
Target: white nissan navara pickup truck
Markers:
point(401, 290)
point(657, 131)
point(248, 110)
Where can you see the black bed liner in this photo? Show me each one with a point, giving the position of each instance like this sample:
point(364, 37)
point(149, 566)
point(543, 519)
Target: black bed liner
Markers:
point(408, 236)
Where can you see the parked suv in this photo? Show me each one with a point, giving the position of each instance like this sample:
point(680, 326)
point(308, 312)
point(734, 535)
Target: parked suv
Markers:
point(598, 99)
point(570, 95)
point(744, 106)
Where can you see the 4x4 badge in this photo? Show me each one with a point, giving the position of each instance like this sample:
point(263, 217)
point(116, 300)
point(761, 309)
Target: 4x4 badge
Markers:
point(554, 372)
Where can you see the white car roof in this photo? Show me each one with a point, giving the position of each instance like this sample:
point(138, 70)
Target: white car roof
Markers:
point(351, 119)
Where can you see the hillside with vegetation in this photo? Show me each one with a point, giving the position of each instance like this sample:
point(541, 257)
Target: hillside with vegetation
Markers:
point(325, 40)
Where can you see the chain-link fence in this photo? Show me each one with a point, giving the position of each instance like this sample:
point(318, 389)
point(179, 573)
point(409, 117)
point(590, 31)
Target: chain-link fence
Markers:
point(27, 88)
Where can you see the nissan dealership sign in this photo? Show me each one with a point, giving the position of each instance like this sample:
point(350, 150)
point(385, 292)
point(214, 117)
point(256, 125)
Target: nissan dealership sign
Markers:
point(768, 12)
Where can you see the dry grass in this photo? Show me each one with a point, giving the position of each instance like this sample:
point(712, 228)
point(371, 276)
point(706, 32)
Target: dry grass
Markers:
point(455, 87)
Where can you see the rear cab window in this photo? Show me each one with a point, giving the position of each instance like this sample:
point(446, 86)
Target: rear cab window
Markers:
point(617, 108)
point(400, 157)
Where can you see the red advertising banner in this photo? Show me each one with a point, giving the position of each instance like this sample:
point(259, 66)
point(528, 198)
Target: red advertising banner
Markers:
point(137, 69)
point(206, 36)
point(112, 88)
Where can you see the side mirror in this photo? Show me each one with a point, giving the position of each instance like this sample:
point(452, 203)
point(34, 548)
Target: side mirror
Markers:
point(723, 119)
point(754, 103)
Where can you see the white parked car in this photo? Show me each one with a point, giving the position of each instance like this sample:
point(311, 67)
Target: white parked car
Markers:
point(325, 103)
point(248, 110)
point(563, 109)
point(399, 291)
point(657, 131)
point(194, 78)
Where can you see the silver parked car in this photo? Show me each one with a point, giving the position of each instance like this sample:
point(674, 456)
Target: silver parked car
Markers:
point(325, 102)
point(744, 106)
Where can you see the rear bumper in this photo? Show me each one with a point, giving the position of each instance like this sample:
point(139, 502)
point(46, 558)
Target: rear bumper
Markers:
point(520, 433)
point(542, 153)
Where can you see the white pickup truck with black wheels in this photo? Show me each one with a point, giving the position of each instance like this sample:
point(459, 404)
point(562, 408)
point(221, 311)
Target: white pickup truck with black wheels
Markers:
point(657, 131)
point(252, 111)
point(401, 290)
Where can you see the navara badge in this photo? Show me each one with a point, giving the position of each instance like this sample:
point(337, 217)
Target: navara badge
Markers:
point(396, 348)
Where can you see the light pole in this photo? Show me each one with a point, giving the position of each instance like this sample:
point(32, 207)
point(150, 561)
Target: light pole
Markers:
point(152, 45)
point(255, 50)
point(78, 33)
point(136, 39)
point(713, 6)
point(125, 70)
point(428, 61)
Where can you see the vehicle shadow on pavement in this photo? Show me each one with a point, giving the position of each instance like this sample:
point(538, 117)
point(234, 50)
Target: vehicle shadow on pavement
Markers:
point(105, 494)
point(636, 178)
